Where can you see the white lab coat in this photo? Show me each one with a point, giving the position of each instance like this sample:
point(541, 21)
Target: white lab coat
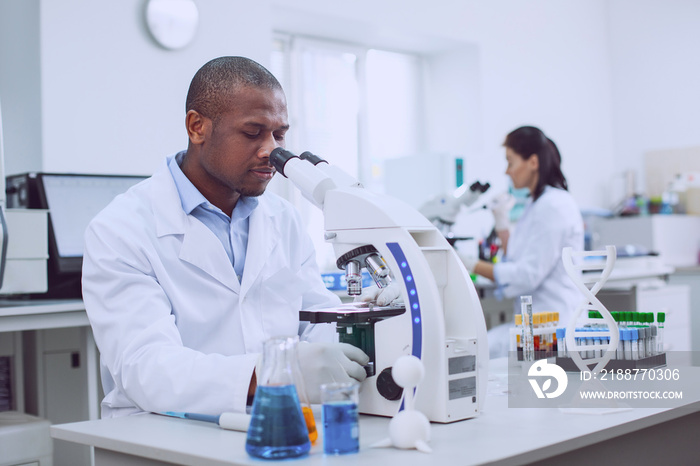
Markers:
point(533, 264)
point(175, 329)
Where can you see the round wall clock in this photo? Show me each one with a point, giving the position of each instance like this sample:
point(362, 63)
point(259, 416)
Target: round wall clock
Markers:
point(173, 23)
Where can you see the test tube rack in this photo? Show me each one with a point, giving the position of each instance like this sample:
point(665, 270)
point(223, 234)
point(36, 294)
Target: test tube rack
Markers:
point(592, 344)
point(567, 363)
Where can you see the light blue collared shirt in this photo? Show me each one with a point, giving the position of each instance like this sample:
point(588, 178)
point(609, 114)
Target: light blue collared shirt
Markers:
point(231, 231)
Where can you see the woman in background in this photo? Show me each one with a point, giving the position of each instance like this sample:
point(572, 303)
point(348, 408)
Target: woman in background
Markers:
point(532, 262)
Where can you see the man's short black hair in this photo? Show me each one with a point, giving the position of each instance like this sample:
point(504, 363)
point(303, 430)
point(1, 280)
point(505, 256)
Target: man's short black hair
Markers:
point(214, 83)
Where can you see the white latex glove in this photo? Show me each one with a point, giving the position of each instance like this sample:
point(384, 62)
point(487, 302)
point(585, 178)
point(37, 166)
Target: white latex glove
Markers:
point(468, 260)
point(329, 362)
point(380, 296)
point(500, 208)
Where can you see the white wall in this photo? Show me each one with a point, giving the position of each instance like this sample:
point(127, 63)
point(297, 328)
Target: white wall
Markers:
point(541, 62)
point(655, 63)
point(606, 79)
point(112, 101)
point(454, 120)
point(546, 63)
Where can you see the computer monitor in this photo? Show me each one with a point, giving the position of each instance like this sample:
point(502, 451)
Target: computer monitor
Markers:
point(72, 200)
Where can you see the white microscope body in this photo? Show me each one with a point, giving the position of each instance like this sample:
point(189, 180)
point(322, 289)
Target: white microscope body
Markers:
point(443, 323)
point(442, 210)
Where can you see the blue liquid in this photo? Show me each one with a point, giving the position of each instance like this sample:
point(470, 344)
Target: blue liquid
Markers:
point(277, 429)
point(340, 429)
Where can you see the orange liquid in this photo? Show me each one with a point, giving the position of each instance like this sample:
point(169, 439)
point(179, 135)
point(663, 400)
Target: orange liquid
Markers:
point(310, 423)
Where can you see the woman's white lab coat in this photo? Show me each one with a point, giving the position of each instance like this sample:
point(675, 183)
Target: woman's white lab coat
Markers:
point(175, 329)
point(533, 264)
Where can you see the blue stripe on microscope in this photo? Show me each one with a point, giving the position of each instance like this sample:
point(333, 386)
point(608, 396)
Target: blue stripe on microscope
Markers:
point(413, 301)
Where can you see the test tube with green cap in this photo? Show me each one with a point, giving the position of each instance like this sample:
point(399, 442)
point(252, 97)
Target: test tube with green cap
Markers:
point(639, 323)
point(651, 337)
point(661, 321)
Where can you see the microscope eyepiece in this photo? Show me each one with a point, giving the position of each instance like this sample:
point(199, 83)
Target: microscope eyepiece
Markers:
point(478, 186)
point(279, 158)
point(315, 159)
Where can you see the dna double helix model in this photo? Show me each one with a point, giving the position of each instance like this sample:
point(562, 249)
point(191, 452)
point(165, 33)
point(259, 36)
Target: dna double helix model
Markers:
point(589, 284)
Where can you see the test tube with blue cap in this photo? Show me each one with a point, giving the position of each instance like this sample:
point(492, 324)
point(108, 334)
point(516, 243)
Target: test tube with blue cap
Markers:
point(589, 342)
point(634, 339)
point(561, 343)
point(620, 353)
point(627, 343)
point(555, 324)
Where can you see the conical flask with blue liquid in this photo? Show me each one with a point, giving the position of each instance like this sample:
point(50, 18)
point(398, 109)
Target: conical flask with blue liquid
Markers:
point(277, 428)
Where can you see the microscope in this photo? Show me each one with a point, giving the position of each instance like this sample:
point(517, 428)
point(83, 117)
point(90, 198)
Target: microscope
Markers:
point(442, 210)
point(439, 317)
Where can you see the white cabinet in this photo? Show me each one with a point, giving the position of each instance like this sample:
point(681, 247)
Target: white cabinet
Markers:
point(674, 300)
point(57, 358)
point(675, 237)
point(11, 372)
point(690, 277)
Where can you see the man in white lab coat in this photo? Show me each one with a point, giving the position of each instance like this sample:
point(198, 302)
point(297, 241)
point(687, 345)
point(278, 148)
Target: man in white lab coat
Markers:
point(190, 271)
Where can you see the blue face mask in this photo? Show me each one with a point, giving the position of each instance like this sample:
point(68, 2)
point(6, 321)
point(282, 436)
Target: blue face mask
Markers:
point(522, 197)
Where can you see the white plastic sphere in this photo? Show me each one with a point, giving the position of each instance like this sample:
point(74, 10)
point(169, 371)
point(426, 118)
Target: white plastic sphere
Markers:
point(407, 371)
point(408, 428)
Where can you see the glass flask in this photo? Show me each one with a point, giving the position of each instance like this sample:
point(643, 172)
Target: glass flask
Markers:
point(305, 404)
point(277, 427)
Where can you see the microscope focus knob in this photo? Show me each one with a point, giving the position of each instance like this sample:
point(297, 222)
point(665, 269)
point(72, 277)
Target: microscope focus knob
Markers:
point(387, 386)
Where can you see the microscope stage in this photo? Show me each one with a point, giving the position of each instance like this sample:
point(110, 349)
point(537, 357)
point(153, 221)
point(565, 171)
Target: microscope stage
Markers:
point(352, 313)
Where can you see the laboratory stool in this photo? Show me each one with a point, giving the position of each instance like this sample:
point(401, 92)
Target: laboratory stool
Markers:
point(24, 440)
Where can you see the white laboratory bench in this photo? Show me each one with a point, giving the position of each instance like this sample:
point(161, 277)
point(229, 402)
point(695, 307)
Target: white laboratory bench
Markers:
point(499, 435)
point(38, 314)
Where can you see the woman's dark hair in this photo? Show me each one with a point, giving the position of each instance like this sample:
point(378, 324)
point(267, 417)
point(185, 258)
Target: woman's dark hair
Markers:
point(527, 141)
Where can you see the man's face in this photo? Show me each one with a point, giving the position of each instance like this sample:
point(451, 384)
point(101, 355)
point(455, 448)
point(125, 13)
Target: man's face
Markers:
point(236, 153)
